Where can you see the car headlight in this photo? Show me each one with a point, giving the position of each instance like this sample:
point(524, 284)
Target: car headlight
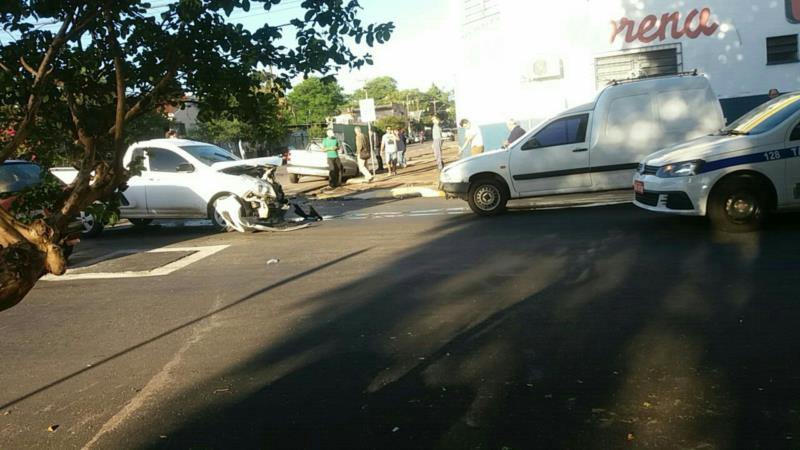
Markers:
point(681, 169)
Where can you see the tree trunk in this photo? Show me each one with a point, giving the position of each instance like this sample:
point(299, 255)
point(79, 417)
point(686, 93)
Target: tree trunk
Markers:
point(27, 252)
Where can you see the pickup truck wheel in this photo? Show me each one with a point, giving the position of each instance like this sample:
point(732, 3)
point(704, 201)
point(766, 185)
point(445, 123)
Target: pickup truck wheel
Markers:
point(487, 197)
point(140, 223)
point(91, 227)
point(294, 178)
point(737, 205)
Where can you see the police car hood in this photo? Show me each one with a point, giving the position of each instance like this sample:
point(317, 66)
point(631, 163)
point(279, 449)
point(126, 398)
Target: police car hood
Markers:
point(699, 148)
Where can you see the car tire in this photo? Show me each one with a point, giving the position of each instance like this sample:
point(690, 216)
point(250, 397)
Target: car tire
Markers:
point(294, 178)
point(140, 223)
point(91, 227)
point(216, 220)
point(738, 205)
point(487, 197)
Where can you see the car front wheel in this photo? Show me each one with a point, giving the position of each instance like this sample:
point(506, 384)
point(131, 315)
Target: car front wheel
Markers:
point(91, 226)
point(738, 205)
point(487, 197)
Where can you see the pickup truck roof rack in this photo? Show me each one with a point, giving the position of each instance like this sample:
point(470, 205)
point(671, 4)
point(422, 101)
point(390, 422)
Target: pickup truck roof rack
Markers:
point(692, 73)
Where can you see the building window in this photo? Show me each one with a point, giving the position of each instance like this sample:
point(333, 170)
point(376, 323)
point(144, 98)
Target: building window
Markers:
point(639, 63)
point(782, 49)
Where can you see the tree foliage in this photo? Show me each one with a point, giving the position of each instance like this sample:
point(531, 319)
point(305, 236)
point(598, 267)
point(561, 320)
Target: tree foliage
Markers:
point(315, 99)
point(78, 73)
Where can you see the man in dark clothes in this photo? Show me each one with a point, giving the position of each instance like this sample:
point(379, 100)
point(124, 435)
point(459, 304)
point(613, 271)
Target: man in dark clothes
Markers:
point(516, 132)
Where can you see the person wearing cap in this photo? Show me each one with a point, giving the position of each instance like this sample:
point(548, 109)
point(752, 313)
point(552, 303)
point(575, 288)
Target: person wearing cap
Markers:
point(331, 146)
point(516, 132)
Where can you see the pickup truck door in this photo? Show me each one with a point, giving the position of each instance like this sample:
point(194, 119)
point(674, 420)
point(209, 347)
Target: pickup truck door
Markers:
point(134, 202)
point(170, 191)
point(556, 158)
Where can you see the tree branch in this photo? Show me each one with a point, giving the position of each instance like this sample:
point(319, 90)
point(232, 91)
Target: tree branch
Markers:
point(119, 79)
point(27, 66)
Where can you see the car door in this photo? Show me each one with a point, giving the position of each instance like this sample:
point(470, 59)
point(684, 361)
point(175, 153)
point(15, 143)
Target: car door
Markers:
point(349, 162)
point(792, 168)
point(134, 198)
point(556, 158)
point(171, 192)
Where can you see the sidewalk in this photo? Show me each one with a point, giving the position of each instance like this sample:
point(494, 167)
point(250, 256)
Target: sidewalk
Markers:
point(419, 179)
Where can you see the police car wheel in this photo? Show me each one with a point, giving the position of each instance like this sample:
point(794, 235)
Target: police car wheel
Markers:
point(487, 197)
point(737, 206)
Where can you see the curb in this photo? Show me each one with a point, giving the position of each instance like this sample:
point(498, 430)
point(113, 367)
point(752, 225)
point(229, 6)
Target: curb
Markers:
point(401, 192)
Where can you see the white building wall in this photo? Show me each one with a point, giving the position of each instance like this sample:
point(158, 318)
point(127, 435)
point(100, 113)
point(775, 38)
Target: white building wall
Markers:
point(503, 39)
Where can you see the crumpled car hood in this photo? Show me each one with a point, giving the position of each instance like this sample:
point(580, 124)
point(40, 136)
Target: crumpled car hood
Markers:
point(265, 161)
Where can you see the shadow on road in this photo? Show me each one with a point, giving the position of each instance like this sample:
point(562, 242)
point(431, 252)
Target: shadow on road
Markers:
point(550, 329)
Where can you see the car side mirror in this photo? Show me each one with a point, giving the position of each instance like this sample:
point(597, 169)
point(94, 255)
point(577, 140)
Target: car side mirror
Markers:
point(531, 144)
point(185, 167)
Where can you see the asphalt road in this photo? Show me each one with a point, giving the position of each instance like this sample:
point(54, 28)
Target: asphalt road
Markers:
point(413, 324)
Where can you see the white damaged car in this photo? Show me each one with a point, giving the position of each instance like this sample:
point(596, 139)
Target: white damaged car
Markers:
point(735, 176)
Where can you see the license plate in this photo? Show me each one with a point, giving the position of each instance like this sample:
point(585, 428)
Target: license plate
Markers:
point(638, 187)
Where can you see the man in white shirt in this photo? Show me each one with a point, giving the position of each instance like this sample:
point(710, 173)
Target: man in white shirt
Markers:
point(473, 139)
point(389, 149)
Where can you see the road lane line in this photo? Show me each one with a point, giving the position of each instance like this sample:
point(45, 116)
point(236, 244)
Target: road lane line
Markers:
point(198, 254)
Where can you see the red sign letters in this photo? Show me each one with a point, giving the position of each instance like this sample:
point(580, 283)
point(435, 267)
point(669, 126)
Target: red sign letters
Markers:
point(650, 28)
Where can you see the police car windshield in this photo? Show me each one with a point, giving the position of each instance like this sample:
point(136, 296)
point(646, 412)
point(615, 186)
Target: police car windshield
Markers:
point(765, 117)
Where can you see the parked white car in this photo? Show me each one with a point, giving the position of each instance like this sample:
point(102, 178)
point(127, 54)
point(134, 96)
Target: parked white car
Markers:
point(314, 162)
point(734, 176)
point(593, 147)
point(183, 179)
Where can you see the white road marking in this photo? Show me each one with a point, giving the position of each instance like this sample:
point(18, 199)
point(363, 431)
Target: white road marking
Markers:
point(198, 254)
point(456, 209)
point(423, 211)
point(161, 381)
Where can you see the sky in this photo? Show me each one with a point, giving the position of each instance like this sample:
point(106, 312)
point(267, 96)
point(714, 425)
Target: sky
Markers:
point(418, 53)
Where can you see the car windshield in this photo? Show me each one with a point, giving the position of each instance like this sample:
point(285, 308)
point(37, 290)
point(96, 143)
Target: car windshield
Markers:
point(765, 117)
point(16, 177)
point(209, 154)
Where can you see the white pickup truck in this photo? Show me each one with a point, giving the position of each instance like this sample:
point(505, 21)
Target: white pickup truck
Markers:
point(314, 162)
point(589, 148)
point(183, 179)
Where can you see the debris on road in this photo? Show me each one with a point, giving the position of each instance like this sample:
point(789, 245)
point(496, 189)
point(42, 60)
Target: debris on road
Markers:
point(52, 428)
point(273, 261)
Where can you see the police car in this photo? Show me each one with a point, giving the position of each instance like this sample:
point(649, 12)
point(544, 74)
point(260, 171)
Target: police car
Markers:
point(734, 176)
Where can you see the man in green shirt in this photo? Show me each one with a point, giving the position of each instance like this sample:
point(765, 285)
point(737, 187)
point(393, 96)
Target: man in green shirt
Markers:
point(331, 146)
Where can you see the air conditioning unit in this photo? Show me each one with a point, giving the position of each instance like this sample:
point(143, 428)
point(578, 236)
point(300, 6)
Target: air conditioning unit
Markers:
point(546, 67)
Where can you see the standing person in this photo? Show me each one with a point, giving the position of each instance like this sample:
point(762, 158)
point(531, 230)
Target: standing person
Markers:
point(389, 149)
point(516, 132)
point(401, 147)
point(436, 134)
point(374, 141)
point(473, 138)
point(363, 154)
point(331, 146)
